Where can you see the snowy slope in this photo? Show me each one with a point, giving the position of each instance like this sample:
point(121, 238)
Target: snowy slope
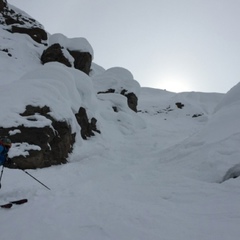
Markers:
point(132, 188)
point(155, 174)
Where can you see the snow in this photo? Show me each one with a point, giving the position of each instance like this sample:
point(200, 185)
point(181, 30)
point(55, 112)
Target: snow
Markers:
point(155, 174)
point(72, 44)
point(22, 149)
point(116, 78)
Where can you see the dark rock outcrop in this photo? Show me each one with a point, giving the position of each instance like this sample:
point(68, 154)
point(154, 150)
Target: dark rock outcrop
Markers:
point(82, 60)
point(54, 54)
point(110, 90)
point(54, 143)
point(179, 105)
point(49, 145)
point(18, 23)
point(3, 4)
point(131, 99)
point(37, 34)
point(197, 115)
point(87, 128)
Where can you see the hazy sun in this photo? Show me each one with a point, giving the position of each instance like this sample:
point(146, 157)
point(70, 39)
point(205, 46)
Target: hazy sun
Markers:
point(174, 84)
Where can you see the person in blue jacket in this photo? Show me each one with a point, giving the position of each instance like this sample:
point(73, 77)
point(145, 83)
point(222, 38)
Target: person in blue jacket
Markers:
point(5, 145)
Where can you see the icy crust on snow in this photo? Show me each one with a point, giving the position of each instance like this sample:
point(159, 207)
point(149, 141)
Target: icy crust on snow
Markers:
point(77, 44)
point(116, 78)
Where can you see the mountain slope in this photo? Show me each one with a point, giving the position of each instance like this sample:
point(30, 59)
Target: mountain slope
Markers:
point(159, 173)
point(131, 188)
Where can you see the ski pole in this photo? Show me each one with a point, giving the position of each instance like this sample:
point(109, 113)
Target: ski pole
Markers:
point(1, 176)
point(35, 179)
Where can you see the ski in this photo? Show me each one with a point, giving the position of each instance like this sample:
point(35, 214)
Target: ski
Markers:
point(21, 201)
point(17, 202)
point(8, 205)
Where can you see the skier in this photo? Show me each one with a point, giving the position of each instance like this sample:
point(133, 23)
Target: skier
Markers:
point(5, 145)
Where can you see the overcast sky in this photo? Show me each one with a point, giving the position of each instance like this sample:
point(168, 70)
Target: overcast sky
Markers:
point(177, 45)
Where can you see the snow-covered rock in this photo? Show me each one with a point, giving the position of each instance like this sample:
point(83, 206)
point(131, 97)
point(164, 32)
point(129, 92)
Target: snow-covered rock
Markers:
point(74, 52)
point(63, 102)
point(16, 21)
point(119, 81)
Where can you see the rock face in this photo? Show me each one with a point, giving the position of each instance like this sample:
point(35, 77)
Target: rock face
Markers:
point(53, 143)
point(87, 128)
point(50, 145)
point(36, 33)
point(118, 80)
point(54, 53)
point(132, 99)
point(3, 5)
point(179, 105)
point(19, 23)
point(39, 139)
point(82, 61)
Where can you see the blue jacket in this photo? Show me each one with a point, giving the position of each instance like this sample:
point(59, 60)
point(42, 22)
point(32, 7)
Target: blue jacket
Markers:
point(3, 154)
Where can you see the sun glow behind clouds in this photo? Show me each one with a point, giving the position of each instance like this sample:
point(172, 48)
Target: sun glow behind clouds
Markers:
point(174, 83)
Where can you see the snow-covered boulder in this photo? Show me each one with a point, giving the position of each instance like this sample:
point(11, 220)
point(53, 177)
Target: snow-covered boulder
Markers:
point(120, 81)
point(54, 53)
point(38, 147)
point(44, 118)
point(74, 52)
